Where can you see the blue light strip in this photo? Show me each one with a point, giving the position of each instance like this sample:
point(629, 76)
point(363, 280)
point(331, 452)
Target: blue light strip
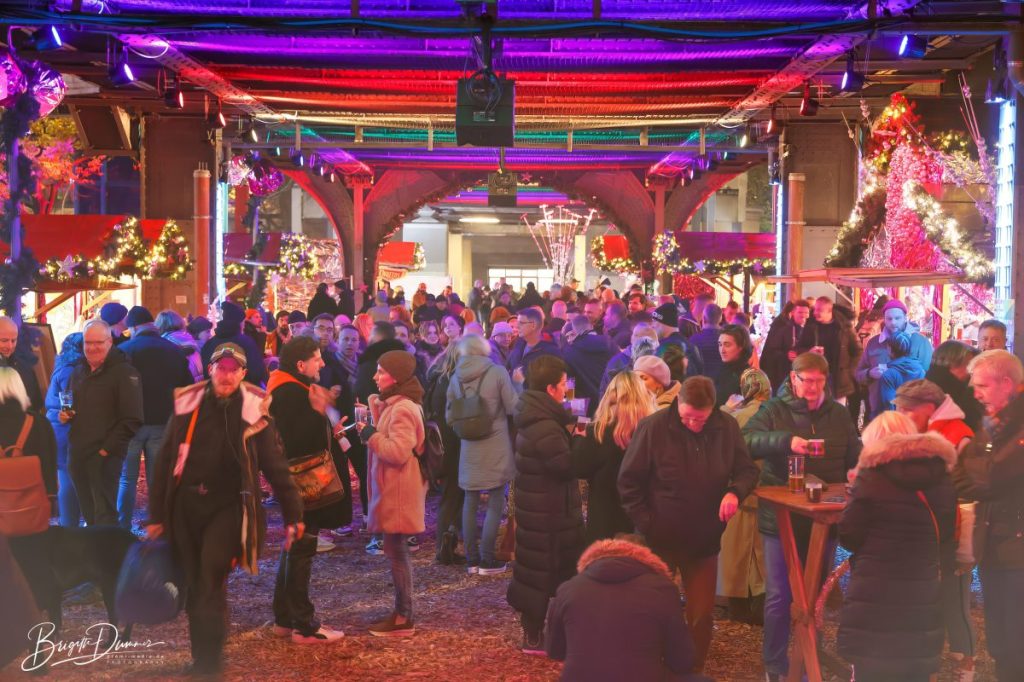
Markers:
point(779, 226)
point(220, 220)
point(1004, 206)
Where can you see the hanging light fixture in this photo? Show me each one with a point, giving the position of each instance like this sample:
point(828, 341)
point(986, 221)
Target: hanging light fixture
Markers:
point(174, 96)
point(216, 118)
point(46, 38)
point(913, 46)
point(119, 71)
point(808, 105)
point(853, 80)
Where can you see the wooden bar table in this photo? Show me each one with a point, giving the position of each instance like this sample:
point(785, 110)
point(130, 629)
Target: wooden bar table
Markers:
point(805, 580)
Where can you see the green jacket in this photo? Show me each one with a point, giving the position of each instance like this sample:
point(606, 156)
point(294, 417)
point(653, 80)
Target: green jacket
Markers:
point(770, 432)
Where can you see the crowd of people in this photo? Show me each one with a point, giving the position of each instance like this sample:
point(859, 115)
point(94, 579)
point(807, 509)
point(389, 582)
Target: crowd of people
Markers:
point(662, 406)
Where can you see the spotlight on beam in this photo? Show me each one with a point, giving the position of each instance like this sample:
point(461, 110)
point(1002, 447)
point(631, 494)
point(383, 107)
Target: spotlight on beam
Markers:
point(120, 71)
point(216, 118)
point(744, 138)
point(997, 91)
point(46, 38)
point(250, 134)
point(808, 105)
point(174, 96)
point(853, 80)
point(912, 46)
point(298, 159)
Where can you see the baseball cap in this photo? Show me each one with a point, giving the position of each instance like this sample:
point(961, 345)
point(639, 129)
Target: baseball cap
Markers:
point(919, 392)
point(229, 350)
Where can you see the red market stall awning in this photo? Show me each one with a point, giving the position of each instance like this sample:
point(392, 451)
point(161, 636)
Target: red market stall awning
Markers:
point(57, 236)
point(238, 244)
point(398, 254)
point(725, 246)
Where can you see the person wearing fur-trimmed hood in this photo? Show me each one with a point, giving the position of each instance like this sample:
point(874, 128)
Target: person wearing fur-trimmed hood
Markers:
point(619, 618)
point(899, 524)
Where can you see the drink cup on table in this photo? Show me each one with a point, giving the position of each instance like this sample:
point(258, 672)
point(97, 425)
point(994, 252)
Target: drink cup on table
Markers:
point(814, 492)
point(796, 473)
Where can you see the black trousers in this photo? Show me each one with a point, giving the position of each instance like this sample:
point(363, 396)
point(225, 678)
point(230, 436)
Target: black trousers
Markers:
point(356, 455)
point(96, 479)
point(207, 535)
point(292, 607)
point(449, 510)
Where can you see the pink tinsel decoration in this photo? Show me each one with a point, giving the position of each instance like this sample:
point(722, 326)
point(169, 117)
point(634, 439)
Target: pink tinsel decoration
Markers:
point(910, 246)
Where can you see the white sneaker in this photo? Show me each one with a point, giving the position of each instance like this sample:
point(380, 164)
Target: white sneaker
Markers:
point(322, 636)
point(323, 545)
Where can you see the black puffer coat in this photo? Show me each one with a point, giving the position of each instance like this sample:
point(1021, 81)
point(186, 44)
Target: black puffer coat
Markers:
point(599, 463)
point(899, 525)
point(961, 393)
point(365, 385)
point(770, 432)
point(549, 511)
point(672, 480)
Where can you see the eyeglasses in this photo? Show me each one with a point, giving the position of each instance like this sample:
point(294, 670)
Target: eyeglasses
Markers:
point(694, 421)
point(811, 382)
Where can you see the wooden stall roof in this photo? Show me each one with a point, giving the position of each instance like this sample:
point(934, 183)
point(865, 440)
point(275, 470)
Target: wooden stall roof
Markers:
point(869, 278)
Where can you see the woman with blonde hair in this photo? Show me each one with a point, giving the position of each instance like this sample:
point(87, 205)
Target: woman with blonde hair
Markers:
point(899, 524)
point(598, 455)
point(741, 571)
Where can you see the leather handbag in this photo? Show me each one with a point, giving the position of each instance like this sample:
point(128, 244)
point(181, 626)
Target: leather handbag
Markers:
point(24, 505)
point(317, 479)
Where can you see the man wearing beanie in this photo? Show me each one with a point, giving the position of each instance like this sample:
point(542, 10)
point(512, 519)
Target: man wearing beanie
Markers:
point(666, 322)
point(162, 368)
point(876, 357)
point(114, 315)
point(229, 330)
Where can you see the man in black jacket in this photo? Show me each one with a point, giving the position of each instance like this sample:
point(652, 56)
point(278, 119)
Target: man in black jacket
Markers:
point(801, 410)
point(991, 472)
point(666, 322)
point(683, 477)
point(16, 352)
point(206, 491)
point(780, 346)
point(587, 354)
point(107, 398)
point(162, 368)
point(297, 407)
point(229, 330)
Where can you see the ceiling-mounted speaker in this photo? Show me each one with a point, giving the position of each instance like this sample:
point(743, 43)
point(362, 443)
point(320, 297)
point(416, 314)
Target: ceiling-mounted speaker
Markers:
point(502, 189)
point(485, 111)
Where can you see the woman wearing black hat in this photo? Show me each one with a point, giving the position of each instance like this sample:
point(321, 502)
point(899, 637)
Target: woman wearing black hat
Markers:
point(396, 487)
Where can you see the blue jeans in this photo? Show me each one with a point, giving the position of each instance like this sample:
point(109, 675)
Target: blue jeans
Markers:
point(67, 499)
point(148, 440)
point(396, 549)
point(1003, 590)
point(495, 508)
point(777, 601)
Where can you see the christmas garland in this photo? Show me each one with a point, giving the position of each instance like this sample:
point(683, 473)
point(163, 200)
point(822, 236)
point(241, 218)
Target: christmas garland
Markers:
point(419, 258)
point(600, 260)
point(295, 258)
point(668, 260)
point(867, 216)
point(945, 232)
point(126, 254)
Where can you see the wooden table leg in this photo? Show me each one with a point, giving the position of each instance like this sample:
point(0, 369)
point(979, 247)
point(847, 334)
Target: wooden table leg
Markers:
point(802, 609)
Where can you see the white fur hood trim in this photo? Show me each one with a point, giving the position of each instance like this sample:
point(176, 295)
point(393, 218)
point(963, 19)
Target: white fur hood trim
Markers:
point(901, 447)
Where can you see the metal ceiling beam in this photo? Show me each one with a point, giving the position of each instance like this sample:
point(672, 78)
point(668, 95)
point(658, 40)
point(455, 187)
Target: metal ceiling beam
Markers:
point(558, 145)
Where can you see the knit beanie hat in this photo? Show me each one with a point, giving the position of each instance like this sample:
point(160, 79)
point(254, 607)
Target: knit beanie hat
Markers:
point(231, 312)
point(667, 314)
point(894, 304)
point(399, 364)
point(138, 315)
point(113, 312)
point(655, 367)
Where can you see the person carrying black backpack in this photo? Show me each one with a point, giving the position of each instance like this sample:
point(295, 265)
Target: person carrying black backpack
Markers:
point(448, 511)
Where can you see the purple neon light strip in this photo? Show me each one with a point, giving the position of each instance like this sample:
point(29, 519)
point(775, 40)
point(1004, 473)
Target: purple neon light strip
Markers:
point(631, 10)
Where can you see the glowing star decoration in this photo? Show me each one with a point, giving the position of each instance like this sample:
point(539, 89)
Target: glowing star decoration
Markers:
point(555, 234)
point(66, 267)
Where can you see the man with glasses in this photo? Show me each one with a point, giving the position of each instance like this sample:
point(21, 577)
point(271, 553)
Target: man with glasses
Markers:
point(682, 478)
point(801, 411)
point(530, 345)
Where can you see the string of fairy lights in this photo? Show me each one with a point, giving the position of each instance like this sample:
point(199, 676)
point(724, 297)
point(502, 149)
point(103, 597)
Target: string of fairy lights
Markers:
point(294, 259)
point(126, 254)
point(668, 259)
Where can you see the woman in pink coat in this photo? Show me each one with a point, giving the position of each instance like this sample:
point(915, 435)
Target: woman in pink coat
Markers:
point(397, 491)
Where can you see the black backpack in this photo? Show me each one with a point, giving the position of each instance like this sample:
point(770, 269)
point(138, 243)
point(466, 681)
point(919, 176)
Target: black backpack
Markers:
point(466, 413)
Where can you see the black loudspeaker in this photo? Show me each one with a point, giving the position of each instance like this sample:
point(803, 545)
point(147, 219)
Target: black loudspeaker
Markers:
point(485, 111)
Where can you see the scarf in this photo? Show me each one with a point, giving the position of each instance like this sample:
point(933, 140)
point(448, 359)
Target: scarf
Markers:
point(350, 365)
point(410, 388)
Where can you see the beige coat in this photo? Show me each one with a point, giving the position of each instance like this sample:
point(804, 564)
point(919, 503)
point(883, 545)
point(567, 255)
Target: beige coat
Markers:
point(397, 492)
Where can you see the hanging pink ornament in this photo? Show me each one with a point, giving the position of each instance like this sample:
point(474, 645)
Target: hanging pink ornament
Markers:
point(12, 79)
point(267, 182)
point(238, 171)
point(47, 87)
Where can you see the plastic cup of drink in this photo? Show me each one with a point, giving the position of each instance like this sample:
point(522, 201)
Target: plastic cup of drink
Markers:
point(67, 400)
point(816, 447)
point(796, 473)
point(814, 492)
point(570, 389)
point(362, 414)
